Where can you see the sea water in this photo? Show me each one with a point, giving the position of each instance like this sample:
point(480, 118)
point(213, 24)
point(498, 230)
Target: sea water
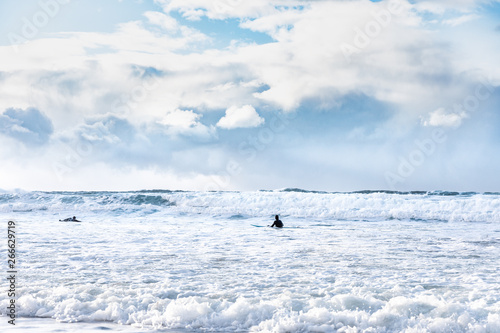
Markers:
point(176, 261)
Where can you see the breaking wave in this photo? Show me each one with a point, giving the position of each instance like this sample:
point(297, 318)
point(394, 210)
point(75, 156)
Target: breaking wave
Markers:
point(291, 202)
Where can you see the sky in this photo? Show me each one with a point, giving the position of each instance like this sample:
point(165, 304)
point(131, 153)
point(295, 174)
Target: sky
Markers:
point(250, 95)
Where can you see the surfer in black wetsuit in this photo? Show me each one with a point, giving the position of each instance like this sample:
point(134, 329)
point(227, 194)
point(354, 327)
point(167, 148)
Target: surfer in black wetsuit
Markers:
point(70, 219)
point(277, 222)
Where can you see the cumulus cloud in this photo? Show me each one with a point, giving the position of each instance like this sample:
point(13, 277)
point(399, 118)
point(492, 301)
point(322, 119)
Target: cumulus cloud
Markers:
point(441, 117)
point(29, 126)
point(181, 119)
point(107, 129)
point(185, 122)
point(389, 63)
point(240, 117)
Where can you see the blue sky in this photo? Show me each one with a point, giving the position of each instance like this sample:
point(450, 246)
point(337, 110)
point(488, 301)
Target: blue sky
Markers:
point(248, 95)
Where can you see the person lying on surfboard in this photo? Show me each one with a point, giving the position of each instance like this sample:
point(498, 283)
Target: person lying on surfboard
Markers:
point(277, 222)
point(70, 219)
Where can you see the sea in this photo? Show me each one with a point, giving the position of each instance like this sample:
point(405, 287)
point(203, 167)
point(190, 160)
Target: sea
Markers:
point(186, 261)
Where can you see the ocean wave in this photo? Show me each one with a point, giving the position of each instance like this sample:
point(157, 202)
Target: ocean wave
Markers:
point(299, 190)
point(434, 193)
point(134, 200)
point(361, 205)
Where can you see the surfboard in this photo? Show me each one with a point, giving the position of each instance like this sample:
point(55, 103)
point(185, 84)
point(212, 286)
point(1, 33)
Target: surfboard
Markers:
point(266, 226)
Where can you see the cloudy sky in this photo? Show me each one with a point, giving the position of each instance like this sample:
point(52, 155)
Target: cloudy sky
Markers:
point(247, 95)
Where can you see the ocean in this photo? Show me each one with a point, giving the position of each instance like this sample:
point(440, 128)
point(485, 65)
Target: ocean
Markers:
point(183, 261)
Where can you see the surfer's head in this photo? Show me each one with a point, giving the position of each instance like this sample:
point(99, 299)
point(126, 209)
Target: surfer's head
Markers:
point(277, 217)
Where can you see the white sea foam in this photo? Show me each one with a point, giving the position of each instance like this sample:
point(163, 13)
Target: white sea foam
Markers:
point(375, 262)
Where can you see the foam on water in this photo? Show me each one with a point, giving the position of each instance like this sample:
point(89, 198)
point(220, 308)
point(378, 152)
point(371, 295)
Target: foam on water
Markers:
point(375, 262)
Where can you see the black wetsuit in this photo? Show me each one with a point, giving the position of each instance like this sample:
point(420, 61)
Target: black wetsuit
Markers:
point(277, 224)
point(70, 219)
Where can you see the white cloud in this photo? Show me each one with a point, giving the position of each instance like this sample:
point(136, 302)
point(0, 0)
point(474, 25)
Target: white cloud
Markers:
point(181, 119)
point(240, 117)
point(185, 122)
point(222, 9)
point(441, 6)
point(29, 126)
point(167, 22)
point(397, 66)
point(442, 118)
point(107, 129)
point(307, 62)
point(453, 22)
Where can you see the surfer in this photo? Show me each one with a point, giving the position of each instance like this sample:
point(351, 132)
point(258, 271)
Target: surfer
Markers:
point(277, 222)
point(70, 219)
